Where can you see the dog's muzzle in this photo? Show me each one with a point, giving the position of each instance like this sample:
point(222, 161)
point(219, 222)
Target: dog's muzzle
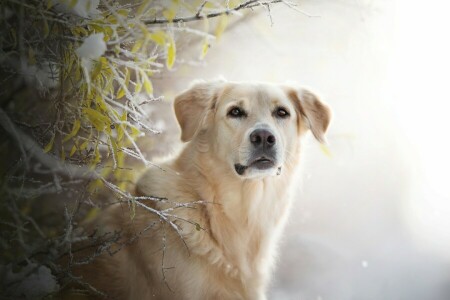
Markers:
point(263, 142)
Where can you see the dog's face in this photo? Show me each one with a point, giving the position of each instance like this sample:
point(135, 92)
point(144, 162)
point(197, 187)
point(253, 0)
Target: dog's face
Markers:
point(253, 128)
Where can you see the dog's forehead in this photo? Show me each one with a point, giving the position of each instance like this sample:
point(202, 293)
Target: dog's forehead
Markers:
point(258, 94)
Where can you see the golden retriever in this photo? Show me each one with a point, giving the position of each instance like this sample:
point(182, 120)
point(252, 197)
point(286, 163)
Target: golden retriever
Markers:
point(232, 182)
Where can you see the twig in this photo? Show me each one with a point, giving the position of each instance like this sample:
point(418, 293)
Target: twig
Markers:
point(196, 17)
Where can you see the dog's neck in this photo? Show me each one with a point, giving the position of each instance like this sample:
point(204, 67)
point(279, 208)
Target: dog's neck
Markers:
point(245, 215)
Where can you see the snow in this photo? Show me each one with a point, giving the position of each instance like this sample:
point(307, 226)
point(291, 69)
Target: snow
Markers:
point(83, 8)
point(92, 48)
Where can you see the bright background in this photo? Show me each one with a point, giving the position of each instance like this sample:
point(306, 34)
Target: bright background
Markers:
point(373, 220)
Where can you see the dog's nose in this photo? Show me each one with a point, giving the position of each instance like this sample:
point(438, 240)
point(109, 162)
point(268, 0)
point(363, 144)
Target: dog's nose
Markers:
point(262, 137)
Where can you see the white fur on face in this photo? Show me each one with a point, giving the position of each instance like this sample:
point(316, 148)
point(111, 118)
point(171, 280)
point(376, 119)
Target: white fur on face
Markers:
point(232, 134)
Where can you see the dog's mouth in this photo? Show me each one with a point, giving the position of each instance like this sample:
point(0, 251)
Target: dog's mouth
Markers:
point(261, 163)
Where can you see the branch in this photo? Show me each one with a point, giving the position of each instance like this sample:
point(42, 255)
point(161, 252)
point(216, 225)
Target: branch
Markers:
point(28, 145)
point(199, 16)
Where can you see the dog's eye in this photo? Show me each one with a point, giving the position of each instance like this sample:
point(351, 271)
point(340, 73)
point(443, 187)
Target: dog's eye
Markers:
point(281, 112)
point(236, 112)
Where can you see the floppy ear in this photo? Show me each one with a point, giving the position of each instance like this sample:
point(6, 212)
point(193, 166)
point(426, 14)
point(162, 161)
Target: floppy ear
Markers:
point(316, 113)
point(192, 105)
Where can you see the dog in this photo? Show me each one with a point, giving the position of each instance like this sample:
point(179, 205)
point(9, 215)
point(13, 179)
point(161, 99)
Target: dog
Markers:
point(227, 194)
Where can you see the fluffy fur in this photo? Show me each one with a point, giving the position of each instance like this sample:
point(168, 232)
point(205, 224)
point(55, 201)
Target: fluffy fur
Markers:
point(229, 241)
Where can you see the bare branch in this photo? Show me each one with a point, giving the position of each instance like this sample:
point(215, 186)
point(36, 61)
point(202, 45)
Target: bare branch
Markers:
point(196, 17)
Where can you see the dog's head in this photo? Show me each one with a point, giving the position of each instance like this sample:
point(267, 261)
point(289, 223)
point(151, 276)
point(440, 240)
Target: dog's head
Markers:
point(254, 128)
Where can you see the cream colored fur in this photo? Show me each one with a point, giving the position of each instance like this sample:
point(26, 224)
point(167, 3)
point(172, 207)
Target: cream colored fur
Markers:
point(230, 253)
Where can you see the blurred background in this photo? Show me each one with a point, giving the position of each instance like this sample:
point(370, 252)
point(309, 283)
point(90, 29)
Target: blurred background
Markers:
point(372, 217)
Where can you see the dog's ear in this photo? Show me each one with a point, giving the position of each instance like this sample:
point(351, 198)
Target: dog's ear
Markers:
point(316, 113)
point(192, 105)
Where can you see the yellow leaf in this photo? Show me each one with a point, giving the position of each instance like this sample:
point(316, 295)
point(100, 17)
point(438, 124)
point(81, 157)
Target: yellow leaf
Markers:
point(205, 47)
point(111, 19)
point(171, 53)
point(147, 83)
point(120, 159)
point(127, 77)
point(97, 28)
point(91, 214)
point(170, 13)
point(97, 70)
point(94, 185)
point(31, 56)
point(233, 3)
point(70, 65)
point(137, 45)
point(221, 25)
point(159, 37)
point(105, 171)
point(144, 30)
point(73, 3)
point(63, 153)
point(73, 150)
point(109, 32)
point(75, 128)
point(122, 127)
point(100, 68)
point(46, 29)
point(49, 146)
point(97, 119)
point(133, 208)
point(123, 12)
point(120, 93)
point(114, 149)
point(143, 7)
point(78, 73)
point(50, 3)
point(100, 103)
point(84, 145)
point(97, 156)
point(326, 150)
point(26, 209)
point(79, 31)
point(135, 132)
point(138, 88)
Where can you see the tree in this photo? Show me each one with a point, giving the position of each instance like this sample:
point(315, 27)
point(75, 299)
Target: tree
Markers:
point(76, 76)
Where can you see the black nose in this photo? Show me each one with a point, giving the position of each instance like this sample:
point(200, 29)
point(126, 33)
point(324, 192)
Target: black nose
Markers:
point(262, 137)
